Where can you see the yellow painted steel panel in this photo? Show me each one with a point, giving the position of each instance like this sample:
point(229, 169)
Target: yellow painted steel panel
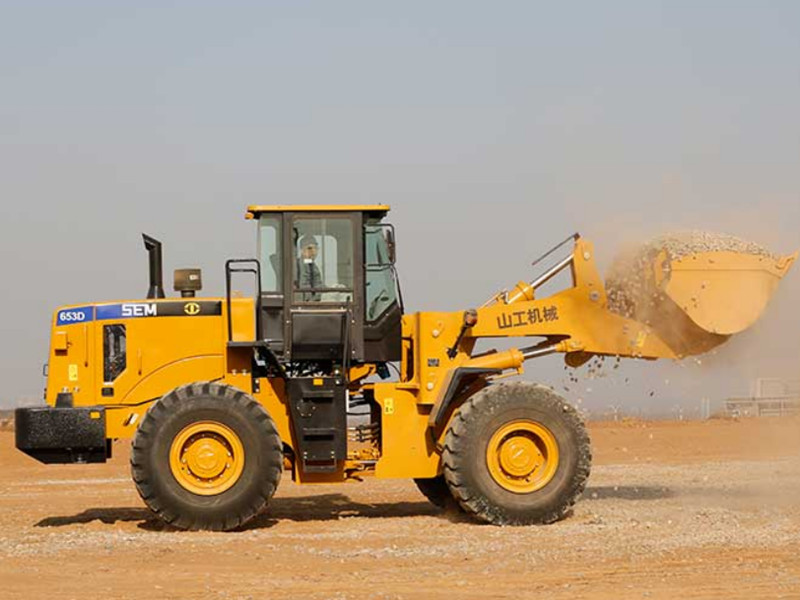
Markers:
point(725, 292)
point(408, 450)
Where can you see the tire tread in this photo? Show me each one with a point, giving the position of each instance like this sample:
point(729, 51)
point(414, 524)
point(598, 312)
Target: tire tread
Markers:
point(457, 440)
point(143, 473)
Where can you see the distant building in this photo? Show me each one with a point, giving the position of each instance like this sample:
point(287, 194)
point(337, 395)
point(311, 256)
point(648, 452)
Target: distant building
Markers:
point(772, 387)
point(770, 397)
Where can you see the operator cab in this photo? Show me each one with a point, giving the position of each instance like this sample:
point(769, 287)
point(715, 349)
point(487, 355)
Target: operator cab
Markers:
point(329, 288)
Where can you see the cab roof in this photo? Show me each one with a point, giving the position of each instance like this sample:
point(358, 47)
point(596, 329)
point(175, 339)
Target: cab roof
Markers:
point(374, 210)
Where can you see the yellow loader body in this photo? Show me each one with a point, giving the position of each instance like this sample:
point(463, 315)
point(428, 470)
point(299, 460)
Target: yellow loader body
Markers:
point(289, 364)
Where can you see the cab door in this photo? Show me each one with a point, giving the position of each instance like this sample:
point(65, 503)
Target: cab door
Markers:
point(383, 321)
point(324, 279)
point(271, 258)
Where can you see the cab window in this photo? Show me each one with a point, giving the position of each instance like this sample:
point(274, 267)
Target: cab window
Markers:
point(381, 292)
point(323, 264)
point(269, 244)
point(114, 352)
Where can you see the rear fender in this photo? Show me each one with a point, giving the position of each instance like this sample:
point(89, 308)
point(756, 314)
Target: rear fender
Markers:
point(123, 418)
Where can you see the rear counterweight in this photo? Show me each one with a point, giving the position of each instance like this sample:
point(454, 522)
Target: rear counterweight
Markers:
point(62, 435)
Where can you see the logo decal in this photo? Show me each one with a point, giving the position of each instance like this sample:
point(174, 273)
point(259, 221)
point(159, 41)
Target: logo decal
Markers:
point(533, 316)
point(163, 308)
point(139, 310)
point(75, 315)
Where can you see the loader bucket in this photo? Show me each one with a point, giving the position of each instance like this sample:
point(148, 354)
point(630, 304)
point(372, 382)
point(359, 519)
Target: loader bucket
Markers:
point(722, 292)
point(695, 289)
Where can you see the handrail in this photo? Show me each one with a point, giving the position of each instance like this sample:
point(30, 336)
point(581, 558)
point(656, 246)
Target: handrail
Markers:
point(574, 238)
point(503, 295)
point(229, 271)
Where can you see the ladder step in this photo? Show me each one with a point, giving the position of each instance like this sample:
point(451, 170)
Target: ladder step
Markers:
point(319, 466)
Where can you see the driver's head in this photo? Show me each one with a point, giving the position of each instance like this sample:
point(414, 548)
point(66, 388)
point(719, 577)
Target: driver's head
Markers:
point(308, 247)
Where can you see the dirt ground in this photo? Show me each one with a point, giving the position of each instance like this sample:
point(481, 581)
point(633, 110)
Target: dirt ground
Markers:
point(692, 510)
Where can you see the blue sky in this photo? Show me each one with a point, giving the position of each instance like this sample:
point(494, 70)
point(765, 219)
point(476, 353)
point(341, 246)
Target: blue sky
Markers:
point(493, 130)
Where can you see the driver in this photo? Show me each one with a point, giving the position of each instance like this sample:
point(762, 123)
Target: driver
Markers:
point(308, 273)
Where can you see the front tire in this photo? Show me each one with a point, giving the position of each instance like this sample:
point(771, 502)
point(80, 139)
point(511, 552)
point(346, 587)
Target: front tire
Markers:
point(436, 490)
point(516, 454)
point(206, 456)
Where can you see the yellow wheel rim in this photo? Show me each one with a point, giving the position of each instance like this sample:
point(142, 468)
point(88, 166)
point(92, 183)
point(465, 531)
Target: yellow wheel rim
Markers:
point(206, 458)
point(522, 456)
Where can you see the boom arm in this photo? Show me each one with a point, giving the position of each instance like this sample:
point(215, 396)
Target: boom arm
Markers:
point(575, 320)
point(578, 322)
point(698, 302)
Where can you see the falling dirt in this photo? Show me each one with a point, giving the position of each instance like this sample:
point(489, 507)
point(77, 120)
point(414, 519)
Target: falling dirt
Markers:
point(691, 510)
point(629, 283)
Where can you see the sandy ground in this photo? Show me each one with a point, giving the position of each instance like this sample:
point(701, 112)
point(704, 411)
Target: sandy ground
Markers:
point(691, 510)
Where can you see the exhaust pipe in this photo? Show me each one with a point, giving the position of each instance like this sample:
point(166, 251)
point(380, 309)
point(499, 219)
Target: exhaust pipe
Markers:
point(153, 247)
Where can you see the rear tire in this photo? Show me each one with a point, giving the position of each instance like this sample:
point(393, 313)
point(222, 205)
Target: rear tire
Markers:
point(206, 456)
point(516, 454)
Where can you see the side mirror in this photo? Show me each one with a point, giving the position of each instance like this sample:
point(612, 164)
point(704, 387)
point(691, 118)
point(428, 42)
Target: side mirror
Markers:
point(390, 244)
point(188, 281)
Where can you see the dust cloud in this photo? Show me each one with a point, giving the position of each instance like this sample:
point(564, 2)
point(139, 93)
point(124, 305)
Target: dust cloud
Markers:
point(698, 385)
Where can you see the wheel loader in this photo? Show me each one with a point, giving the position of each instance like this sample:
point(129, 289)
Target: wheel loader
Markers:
point(222, 395)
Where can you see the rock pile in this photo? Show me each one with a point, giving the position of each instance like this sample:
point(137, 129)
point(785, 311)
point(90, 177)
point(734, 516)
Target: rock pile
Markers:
point(630, 285)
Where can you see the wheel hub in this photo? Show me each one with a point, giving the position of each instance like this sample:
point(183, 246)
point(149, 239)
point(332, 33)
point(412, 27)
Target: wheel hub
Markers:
point(522, 456)
point(519, 456)
point(206, 458)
